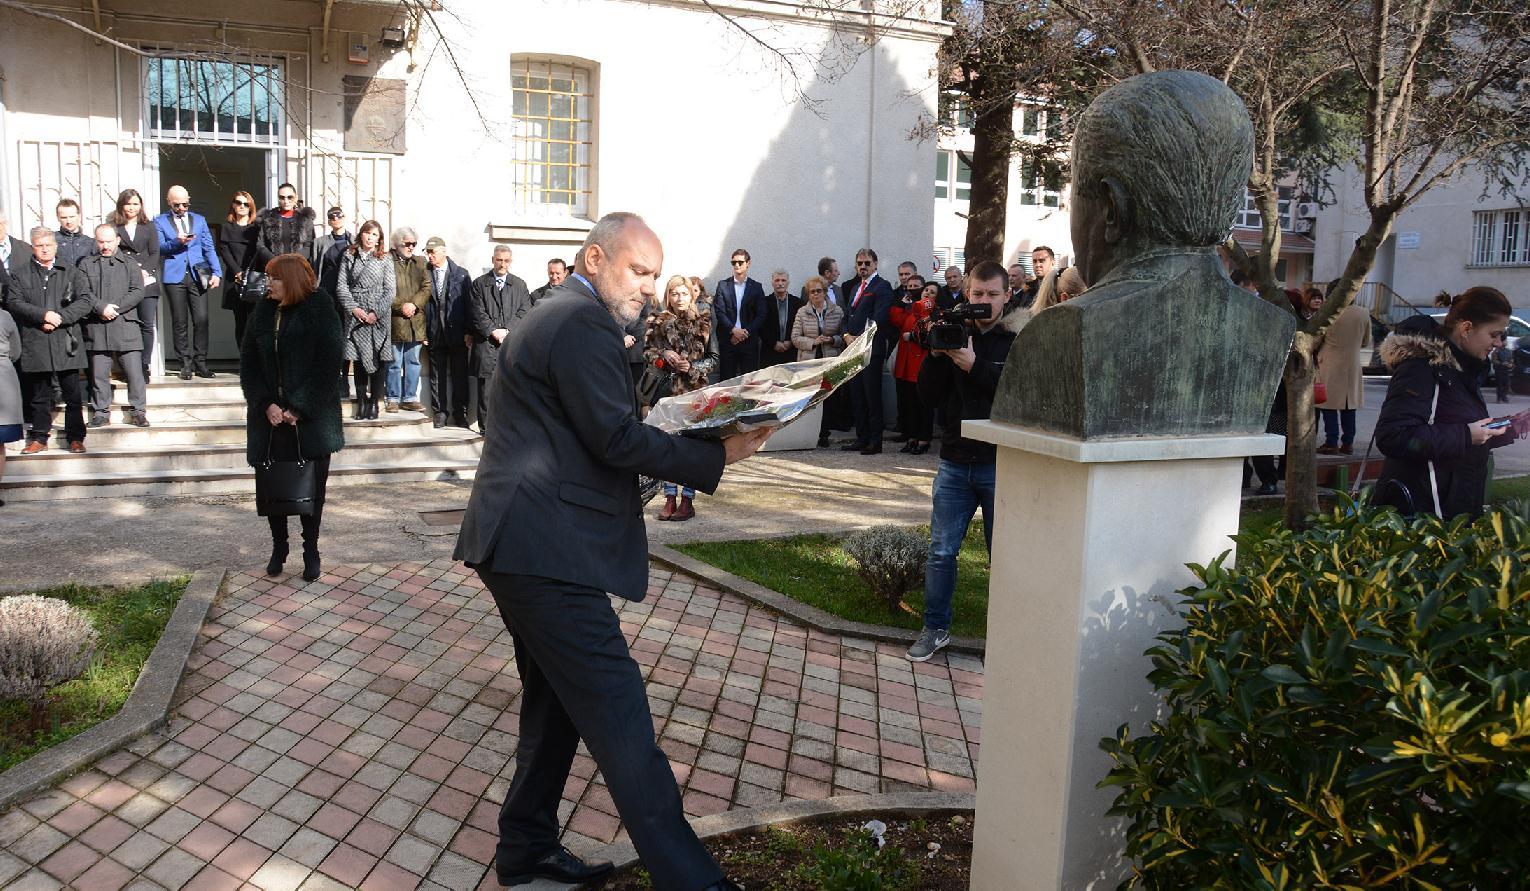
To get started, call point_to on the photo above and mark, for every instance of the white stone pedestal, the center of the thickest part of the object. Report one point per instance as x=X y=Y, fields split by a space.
x=1089 y=547
x=800 y=434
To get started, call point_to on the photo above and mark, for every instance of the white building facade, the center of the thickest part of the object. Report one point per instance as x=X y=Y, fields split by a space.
x=522 y=126
x=1036 y=213
x=1459 y=234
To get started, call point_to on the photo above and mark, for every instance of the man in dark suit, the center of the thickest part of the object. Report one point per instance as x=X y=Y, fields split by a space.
x=185 y=243
x=557 y=271
x=870 y=300
x=496 y=301
x=446 y=335
x=738 y=310
x=555 y=522
x=780 y=312
x=14 y=253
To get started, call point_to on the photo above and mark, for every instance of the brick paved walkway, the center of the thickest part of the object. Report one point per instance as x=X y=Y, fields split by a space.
x=359 y=732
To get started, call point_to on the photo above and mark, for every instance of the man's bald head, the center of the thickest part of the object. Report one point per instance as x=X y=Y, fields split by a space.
x=622 y=257
x=178 y=195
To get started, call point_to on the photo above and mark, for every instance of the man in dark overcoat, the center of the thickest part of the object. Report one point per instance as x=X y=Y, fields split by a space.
x=446 y=337
x=553 y=524
x=112 y=333
x=48 y=301
x=496 y=302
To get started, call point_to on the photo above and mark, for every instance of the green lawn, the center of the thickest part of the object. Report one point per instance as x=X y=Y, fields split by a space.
x=130 y=621
x=814 y=569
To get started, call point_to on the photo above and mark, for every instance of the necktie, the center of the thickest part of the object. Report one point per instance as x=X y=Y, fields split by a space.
x=183 y=225
x=859 y=291
x=499 y=284
x=438 y=280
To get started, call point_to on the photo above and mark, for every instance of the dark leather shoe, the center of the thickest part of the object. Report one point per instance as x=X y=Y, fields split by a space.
x=439 y=422
x=138 y=419
x=99 y=420
x=919 y=449
x=77 y=446
x=873 y=449
x=203 y=370
x=853 y=447
x=823 y=442
x=561 y=865
x=278 y=557
x=185 y=372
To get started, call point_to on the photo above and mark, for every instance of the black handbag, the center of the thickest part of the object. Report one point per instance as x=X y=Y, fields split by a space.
x=254 y=287
x=286 y=488
x=653 y=385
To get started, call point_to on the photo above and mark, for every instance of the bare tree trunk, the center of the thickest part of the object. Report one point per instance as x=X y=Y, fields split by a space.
x=993 y=138
x=1301 y=371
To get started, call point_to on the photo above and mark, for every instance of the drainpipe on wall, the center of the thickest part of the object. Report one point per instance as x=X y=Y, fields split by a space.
x=5 y=160
x=871 y=138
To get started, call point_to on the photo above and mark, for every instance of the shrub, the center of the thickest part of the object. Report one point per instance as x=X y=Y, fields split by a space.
x=890 y=559
x=43 y=642
x=1349 y=708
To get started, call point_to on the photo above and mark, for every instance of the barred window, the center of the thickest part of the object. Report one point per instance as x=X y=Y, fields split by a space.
x=552 y=127
x=218 y=101
x=1285 y=200
x=1501 y=237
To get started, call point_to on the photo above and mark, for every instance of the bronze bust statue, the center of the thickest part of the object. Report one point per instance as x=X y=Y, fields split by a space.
x=1162 y=343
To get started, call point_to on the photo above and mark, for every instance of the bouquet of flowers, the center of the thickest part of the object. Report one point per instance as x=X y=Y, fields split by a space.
x=769 y=397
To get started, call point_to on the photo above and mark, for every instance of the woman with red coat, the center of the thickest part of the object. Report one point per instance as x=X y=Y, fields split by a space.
x=909 y=314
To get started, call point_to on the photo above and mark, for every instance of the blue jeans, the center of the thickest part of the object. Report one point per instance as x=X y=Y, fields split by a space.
x=1332 y=419
x=959 y=491
x=672 y=490
x=407 y=364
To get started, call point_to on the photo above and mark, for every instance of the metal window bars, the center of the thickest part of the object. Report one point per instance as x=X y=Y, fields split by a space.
x=552 y=128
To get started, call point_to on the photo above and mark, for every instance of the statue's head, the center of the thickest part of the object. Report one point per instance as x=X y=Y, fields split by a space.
x=1159 y=160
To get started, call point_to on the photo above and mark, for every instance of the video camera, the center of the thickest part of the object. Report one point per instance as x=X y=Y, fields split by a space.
x=948 y=328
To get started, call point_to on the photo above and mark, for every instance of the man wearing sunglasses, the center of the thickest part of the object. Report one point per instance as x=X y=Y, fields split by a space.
x=738 y=310
x=185 y=243
x=285 y=228
x=871 y=300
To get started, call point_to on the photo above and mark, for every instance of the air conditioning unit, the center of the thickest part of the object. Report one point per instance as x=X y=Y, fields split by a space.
x=1307 y=210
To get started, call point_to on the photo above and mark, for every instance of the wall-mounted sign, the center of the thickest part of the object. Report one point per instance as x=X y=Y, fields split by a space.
x=359 y=53
x=1407 y=241
x=374 y=114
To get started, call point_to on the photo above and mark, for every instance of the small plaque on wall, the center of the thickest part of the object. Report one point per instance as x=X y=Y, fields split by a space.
x=374 y=114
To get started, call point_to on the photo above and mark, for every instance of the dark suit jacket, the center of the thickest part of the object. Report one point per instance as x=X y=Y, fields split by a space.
x=770 y=332
x=874 y=306
x=490 y=308
x=446 y=314
x=21 y=254
x=556 y=491
x=143 y=247
x=723 y=310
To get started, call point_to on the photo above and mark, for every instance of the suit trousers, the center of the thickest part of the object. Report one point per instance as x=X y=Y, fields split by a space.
x=736 y=360
x=37 y=386
x=148 y=318
x=101 y=379
x=578 y=681
x=866 y=397
x=449 y=378
x=188 y=316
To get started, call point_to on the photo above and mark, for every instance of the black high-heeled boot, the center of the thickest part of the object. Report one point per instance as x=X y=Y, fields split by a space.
x=360 y=414
x=278 y=545
x=311 y=567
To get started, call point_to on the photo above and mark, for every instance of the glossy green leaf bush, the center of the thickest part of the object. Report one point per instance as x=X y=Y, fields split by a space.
x=1350 y=708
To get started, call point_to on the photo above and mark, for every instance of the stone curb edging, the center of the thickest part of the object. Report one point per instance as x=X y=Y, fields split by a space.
x=622 y=854
x=808 y=615
x=145 y=709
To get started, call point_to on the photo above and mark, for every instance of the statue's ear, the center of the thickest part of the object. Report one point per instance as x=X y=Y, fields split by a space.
x=1118 y=210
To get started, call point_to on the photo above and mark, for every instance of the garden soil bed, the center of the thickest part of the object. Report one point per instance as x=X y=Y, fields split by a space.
x=928 y=853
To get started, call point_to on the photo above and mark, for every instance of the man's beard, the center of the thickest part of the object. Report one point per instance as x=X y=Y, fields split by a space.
x=624 y=312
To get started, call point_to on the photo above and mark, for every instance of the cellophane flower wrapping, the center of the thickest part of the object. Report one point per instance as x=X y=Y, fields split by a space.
x=770 y=397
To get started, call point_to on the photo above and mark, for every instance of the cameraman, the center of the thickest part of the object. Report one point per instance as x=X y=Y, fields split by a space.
x=963 y=383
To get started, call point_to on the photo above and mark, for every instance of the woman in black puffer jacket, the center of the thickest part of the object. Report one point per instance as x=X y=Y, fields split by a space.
x=1433 y=426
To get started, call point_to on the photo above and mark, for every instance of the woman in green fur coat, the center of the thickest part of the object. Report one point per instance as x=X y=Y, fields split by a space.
x=289 y=368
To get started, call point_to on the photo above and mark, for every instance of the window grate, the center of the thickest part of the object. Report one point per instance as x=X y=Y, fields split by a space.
x=1501 y=237
x=552 y=146
x=220 y=101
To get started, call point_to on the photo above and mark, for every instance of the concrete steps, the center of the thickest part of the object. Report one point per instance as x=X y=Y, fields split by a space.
x=196 y=446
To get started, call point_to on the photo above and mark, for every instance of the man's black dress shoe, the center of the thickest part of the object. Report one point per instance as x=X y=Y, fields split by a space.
x=561 y=865
x=852 y=447
x=873 y=449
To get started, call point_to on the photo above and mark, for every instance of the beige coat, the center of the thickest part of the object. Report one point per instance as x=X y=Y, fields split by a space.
x=805 y=330
x=1339 y=358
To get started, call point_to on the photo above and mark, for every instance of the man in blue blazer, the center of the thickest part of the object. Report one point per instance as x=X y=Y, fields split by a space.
x=554 y=523
x=446 y=335
x=738 y=311
x=871 y=299
x=185 y=243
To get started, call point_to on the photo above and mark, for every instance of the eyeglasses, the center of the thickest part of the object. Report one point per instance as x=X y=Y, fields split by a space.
x=816 y=290
x=286 y=197
x=860 y=263
x=410 y=244
x=180 y=204
x=337 y=216
x=740 y=262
